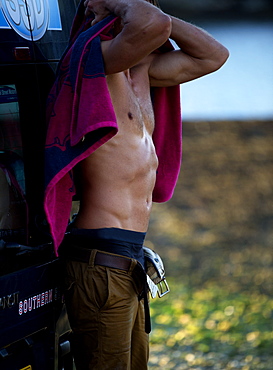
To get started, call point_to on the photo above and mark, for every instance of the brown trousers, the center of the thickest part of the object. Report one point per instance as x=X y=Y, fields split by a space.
x=106 y=316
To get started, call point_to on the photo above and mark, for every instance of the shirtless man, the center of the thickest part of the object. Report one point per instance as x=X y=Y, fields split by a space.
x=117 y=180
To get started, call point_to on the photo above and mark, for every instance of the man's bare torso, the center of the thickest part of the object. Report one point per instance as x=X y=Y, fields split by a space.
x=117 y=180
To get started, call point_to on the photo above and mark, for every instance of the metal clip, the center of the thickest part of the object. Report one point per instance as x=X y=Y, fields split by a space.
x=163 y=288
x=160 y=289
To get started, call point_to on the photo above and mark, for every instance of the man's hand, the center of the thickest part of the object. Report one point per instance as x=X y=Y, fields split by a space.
x=98 y=8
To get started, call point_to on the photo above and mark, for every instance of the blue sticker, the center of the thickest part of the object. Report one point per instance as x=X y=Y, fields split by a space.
x=30 y=18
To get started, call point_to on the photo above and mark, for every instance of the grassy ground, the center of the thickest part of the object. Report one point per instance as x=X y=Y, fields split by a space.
x=216 y=236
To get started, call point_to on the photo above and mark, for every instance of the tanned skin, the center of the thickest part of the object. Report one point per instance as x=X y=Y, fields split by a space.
x=117 y=180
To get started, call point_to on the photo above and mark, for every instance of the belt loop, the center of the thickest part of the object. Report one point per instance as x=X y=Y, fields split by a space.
x=91 y=261
x=132 y=266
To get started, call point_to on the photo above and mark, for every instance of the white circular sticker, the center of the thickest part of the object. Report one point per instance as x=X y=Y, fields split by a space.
x=29 y=18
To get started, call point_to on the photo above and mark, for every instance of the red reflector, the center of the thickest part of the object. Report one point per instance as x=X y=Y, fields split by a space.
x=22 y=53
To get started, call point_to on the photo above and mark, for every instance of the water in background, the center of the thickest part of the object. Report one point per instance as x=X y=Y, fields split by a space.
x=243 y=88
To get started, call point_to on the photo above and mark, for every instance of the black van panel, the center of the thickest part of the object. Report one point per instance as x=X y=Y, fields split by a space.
x=33 y=36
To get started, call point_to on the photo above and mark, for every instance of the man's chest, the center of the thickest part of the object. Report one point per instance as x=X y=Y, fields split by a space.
x=130 y=93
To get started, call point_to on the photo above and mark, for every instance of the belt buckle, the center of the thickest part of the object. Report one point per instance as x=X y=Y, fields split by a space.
x=163 y=288
x=160 y=289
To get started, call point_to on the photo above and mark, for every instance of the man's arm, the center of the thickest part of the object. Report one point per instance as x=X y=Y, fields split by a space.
x=144 y=28
x=199 y=55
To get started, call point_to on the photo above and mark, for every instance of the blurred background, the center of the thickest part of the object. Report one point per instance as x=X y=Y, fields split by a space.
x=216 y=233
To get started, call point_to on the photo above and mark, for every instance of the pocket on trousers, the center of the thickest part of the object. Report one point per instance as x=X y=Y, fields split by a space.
x=118 y=317
x=97 y=287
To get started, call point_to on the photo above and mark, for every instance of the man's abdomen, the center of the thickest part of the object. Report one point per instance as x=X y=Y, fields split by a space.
x=117 y=186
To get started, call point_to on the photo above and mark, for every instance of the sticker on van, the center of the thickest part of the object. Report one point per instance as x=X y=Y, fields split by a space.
x=30 y=18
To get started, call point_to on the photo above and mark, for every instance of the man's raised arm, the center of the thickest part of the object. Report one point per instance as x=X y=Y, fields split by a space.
x=143 y=29
x=199 y=55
